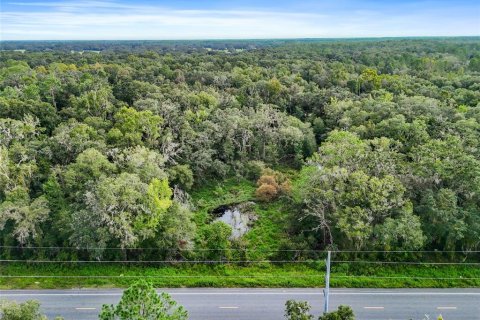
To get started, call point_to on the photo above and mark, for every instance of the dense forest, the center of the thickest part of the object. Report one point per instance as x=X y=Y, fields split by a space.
x=360 y=145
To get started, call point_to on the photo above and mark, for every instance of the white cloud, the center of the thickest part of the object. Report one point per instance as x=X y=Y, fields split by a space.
x=113 y=20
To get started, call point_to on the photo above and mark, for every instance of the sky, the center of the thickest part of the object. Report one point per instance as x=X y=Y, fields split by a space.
x=203 y=19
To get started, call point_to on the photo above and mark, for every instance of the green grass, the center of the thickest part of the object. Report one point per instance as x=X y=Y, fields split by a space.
x=408 y=276
x=214 y=194
x=269 y=229
x=264 y=275
x=261 y=275
x=230 y=191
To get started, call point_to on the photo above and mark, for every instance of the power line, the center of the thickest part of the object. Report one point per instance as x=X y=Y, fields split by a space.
x=240 y=276
x=164 y=249
x=164 y=276
x=241 y=250
x=162 y=261
x=233 y=261
x=406 y=277
x=406 y=251
x=406 y=262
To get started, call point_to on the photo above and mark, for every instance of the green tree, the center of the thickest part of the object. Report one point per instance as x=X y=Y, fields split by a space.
x=134 y=127
x=181 y=175
x=122 y=209
x=96 y=103
x=28 y=310
x=146 y=163
x=176 y=229
x=343 y=313
x=71 y=138
x=141 y=302
x=26 y=215
x=88 y=167
x=403 y=233
x=347 y=205
x=214 y=237
x=297 y=310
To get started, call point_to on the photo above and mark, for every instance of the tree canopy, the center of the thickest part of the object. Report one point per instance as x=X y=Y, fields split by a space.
x=378 y=141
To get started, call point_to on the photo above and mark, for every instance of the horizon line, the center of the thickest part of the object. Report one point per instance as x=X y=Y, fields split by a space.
x=250 y=39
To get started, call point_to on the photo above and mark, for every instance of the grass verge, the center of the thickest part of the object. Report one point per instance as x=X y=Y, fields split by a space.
x=261 y=275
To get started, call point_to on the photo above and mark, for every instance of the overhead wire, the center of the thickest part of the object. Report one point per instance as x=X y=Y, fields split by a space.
x=239 y=249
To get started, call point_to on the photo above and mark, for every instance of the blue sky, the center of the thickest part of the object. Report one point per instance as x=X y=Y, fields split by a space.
x=201 y=19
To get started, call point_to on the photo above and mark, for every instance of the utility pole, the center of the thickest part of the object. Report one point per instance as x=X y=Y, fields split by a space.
x=327 y=283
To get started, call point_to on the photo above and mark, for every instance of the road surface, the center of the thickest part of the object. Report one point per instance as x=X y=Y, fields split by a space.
x=266 y=304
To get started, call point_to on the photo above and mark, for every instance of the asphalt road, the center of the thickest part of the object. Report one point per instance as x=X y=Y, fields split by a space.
x=266 y=304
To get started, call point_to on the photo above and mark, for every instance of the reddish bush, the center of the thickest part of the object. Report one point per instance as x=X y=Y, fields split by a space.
x=266 y=192
x=271 y=184
x=267 y=180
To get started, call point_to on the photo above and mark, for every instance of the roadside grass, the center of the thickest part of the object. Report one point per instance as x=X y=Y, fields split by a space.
x=63 y=276
x=309 y=274
x=405 y=276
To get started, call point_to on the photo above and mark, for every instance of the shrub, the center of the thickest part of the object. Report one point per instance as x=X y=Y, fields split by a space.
x=300 y=310
x=140 y=302
x=266 y=192
x=272 y=184
x=28 y=310
x=297 y=310
x=343 y=313
x=253 y=169
x=285 y=187
x=270 y=180
x=214 y=238
x=181 y=175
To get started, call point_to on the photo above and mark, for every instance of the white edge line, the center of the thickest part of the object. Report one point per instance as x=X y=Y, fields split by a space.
x=5 y=294
x=228 y=307
x=383 y=293
x=85 y=308
x=446 y=308
x=373 y=307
